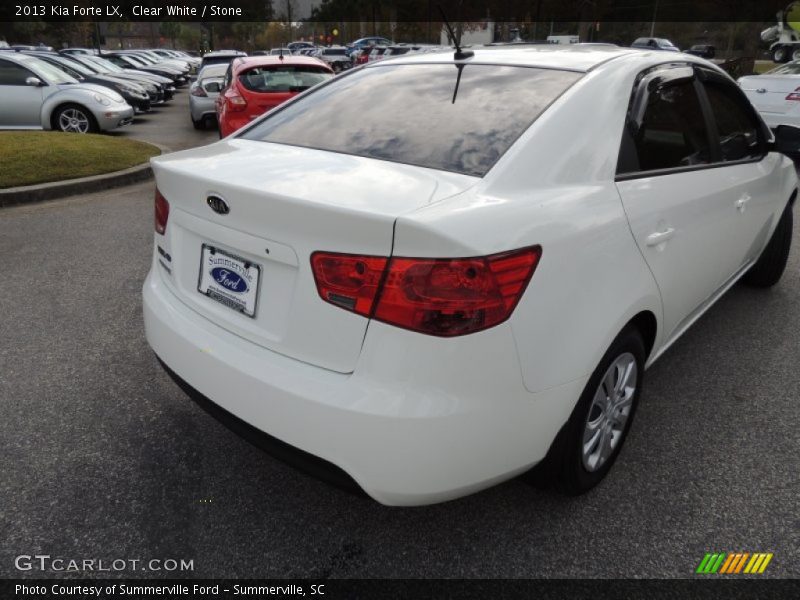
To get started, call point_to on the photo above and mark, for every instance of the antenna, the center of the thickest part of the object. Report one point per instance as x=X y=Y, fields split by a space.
x=460 y=54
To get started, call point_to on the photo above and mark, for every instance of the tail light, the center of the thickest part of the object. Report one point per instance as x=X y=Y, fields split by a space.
x=199 y=91
x=348 y=281
x=162 y=213
x=795 y=95
x=235 y=102
x=442 y=297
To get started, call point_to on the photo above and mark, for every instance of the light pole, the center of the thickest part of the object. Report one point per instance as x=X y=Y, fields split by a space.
x=653 y=22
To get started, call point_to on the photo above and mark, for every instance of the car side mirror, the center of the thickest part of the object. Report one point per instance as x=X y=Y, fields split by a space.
x=34 y=81
x=787 y=140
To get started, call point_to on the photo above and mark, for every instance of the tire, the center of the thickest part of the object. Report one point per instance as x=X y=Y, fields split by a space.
x=780 y=54
x=577 y=467
x=769 y=267
x=201 y=124
x=74 y=118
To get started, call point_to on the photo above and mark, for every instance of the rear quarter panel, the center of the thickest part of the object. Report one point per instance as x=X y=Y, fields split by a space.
x=555 y=187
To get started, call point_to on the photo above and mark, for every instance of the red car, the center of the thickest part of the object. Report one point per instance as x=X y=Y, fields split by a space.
x=361 y=57
x=257 y=84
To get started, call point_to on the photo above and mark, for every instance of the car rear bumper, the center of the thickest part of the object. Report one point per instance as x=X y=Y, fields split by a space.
x=420 y=420
x=231 y=122
x=202 y=108
x=774 y=119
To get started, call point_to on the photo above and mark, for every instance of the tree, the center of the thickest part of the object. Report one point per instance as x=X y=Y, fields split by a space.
x=120 y=29
x=170 y=30
x=246 y=32
x=189 y=38
x=29 y=31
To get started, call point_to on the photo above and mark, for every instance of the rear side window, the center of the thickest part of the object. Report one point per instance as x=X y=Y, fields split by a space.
x=737 y=126
x=672 y=133
x=419 y=114
x=283 y=78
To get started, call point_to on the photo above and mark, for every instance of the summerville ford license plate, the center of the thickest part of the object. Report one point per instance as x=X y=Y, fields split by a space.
x=229 y=279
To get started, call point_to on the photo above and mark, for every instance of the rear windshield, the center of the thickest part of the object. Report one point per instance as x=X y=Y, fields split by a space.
x=218 y=60
x=283 y=78
x=412 y=114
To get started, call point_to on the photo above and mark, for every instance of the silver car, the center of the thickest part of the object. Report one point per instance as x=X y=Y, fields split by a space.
x=203 y=94
x=36 y=95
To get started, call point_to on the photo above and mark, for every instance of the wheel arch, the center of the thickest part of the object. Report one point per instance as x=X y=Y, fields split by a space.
x=68 y=102
x=647 y=325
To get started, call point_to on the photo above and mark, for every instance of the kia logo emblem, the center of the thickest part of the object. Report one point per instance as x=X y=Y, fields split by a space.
x=218 y=205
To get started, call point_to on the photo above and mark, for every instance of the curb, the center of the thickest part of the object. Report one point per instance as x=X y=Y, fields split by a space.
x=59 y=189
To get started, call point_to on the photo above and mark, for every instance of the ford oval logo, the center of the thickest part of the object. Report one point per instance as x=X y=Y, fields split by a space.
x=229 y=280
x=218 y=205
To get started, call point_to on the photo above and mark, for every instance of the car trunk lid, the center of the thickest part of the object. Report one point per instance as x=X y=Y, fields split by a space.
x=285 y=203
x=768 y=92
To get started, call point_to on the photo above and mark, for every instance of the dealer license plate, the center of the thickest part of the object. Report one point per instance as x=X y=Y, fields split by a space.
x=229 y=279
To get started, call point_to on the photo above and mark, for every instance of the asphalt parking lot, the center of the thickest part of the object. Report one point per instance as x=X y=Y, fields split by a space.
x=103 y=456
x=168 y=125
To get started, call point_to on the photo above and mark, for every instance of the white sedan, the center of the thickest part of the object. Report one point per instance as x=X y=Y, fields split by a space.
x=433 y=298
x=776 y=94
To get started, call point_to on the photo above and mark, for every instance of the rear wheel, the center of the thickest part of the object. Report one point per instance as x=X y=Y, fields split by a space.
x=74 y=118
x=770 y=265
x=587 y=447
x=201 y=124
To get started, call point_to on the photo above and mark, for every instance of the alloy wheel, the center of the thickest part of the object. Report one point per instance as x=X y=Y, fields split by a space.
x=73 y=120
x=609 y=412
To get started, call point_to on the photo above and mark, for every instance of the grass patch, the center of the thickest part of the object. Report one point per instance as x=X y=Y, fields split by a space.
x=762 y=66
x=31 y=157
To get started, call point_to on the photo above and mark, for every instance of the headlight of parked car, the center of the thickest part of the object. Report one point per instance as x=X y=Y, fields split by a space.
x=104 y=100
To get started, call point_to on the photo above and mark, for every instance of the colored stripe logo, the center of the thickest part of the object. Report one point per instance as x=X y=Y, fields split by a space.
x=734 y=563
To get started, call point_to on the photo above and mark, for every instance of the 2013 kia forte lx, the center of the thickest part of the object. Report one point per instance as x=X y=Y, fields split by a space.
x=435 y=272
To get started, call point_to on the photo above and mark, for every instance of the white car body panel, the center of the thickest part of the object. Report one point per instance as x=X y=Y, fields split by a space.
x=414 y=418
x=768 y=94
x=349 y=218
x=700 y=208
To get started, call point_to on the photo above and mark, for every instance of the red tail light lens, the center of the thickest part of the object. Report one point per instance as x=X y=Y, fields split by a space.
x=199 y=91
x=442 y=297
x=162 y=213
x=347 y=280
x=795 y=95
x=236 y=103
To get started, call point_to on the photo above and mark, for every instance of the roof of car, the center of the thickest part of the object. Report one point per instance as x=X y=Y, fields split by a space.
x=20 y=58
x=288 y=59
x=225 y=53
x=573 y=57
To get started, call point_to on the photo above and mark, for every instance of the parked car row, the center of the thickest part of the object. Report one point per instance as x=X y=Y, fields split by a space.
x=373 y=53
x=78 y=90
x=341 y=58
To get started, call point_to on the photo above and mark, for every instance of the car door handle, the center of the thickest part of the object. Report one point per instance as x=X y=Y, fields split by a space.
x=761 y=91
x=742 y=202
x=659 y=237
